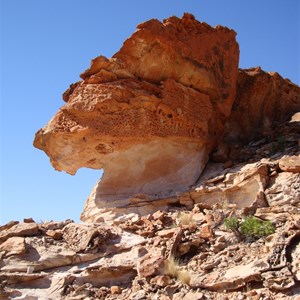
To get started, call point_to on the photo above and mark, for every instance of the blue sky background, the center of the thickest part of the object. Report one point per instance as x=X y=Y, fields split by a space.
x=45 y=45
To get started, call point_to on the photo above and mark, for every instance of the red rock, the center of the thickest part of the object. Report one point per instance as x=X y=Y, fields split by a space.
x=79 y=237
x=8 y=225
x=13 y=246
x=263 y=100
x=158 y=215
x=52 y=225
x=115 y=290
x=150 y=115
x=161 y=280
x=193 y=296
x=151 y=264
x=55 y=234
x=186 y=51
x=184 y=248
x=28 y=220
x=167 y=232
x=205 y=232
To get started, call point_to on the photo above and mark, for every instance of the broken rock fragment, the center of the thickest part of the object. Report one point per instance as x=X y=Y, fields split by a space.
x=290 y=163
x=13 y=246
x=80 y=237
x=19 y=229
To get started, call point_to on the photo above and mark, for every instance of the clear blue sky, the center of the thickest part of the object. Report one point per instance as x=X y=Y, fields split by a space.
x=46 y=44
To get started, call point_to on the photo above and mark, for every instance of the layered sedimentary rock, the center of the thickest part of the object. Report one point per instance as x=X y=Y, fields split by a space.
x=150 y=115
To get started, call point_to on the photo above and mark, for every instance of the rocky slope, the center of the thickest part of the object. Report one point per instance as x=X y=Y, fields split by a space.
x=188 y=143
x=185 y=252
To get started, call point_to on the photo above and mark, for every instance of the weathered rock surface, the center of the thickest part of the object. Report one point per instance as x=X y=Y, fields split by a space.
x=263 y=101
x=80 y=237
x=290 y=164
x=150 y=115
x=246 y=185
x=13 y=246
x=19 y=229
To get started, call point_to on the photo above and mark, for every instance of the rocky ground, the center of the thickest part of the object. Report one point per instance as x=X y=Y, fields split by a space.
x=184 y=252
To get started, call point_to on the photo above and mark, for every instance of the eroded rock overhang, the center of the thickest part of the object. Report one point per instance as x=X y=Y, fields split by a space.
x=150 y=115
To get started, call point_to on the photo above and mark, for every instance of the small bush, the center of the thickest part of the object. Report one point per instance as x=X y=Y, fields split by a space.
x=231 y=223
x=250 y=227
x=253 y=228
x=173 y=269
x=184 y=276
x=185 y=218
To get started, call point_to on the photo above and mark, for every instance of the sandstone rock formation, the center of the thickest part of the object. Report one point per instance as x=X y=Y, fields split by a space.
x=263 y=101
x=150 y=115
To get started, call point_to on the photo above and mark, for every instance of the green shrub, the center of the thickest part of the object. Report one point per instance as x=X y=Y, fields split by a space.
x=231 y=223
x=252 y=227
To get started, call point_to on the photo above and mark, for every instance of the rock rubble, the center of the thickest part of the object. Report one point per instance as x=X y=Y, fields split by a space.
x=129 y=257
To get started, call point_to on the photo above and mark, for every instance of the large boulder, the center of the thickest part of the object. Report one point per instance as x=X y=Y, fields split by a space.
x=150 y=115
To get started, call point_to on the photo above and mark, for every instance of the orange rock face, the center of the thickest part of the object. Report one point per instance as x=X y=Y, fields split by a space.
x=263 y=100
x=150 y=115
